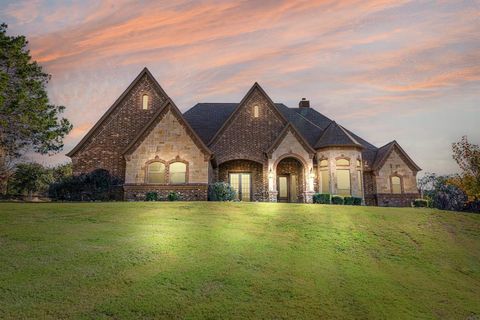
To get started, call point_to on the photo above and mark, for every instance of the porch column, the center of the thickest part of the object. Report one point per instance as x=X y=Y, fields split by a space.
x=309 y=176
x=271 y=176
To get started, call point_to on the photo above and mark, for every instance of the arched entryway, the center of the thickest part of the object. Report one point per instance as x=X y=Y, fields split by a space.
x=246 y=177
x=290 y=180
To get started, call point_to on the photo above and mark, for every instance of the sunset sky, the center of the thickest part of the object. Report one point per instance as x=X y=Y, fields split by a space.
x=404 y=70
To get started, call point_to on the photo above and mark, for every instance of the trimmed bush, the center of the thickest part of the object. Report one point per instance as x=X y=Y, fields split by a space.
x=322 y=198
x=357 y=201
x=420 y=203
x=173 y=196
x=151 y=196
x=221 y=191
x=348 y=201
x=337 y=200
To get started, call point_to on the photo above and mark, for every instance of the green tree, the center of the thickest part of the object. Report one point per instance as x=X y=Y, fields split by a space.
x=467 y=155
x=30 y=178
x=28 y=122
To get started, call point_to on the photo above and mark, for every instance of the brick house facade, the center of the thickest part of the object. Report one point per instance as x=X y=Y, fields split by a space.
x=265 y=150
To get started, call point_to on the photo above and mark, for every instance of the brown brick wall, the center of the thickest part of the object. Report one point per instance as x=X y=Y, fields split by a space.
x=259 y=179
x=105 y=146
x=190 y=192
x=248 y=137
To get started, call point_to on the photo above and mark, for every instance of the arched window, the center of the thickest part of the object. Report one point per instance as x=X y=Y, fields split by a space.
x=396 y=184
x=343 y=162
x=255 y=111
x=359 y=163
x=324 y=176
x=178 y=172
x=145 y=102
x=156 y=172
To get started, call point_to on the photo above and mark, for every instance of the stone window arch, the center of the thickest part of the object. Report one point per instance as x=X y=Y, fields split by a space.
x=155 y=171
x=344 y=162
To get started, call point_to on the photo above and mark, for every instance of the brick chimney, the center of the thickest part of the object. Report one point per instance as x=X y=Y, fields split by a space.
x=304 y=103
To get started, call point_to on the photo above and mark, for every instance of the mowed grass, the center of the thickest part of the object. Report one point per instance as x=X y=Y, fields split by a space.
x=236 y=261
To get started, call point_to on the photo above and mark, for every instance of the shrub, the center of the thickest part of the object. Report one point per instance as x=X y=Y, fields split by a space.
x=357 y=201
x=348 y=201
x=221 y=191
x=337 y=200
x=151 y=196
x=96 y=185
x=473 y=206
x=322 y=198
x=443 y=194
x=420 y=203
x=173 y=196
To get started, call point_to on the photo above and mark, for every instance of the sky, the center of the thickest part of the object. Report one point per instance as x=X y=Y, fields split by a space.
x=385 y=69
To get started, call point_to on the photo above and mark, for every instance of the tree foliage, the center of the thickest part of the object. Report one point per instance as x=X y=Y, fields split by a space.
x=467 y=155
x=28 y=122
x=30 y=178
x=442 y=193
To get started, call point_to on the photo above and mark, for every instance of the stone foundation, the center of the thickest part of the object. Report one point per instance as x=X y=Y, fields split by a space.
x=395 y=200
x=188 y=192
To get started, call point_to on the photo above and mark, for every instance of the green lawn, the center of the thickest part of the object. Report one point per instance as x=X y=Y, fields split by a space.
x=230 y=260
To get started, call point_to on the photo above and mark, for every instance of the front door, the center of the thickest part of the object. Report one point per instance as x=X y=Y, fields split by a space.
x=283 y=188
x=241 y=183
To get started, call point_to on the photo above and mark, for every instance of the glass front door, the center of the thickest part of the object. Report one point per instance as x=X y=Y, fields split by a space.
x=282 y=186
x=241 y=183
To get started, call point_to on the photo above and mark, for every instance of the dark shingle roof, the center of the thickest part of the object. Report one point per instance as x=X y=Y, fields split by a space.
x=335 y=135
x=318 y=130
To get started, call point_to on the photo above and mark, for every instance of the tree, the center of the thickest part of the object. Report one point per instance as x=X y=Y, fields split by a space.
x=28 y=122
x=442 y=193
x=30 y=178
x=467 y=155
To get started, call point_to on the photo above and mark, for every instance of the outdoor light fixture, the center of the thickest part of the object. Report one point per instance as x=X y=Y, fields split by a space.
x=311 y=173
x=270 y=174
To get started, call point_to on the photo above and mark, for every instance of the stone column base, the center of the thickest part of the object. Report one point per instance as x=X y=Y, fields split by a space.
x=272 y=196
x=308 y=196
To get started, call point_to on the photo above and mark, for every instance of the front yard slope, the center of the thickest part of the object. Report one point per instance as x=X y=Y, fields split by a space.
x=236 y=261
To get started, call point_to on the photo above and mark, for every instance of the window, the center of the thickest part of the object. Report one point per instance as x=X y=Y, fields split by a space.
x=343 y=182
x=343 y=162
x=145 y=102
x=396 y=185
x=324 y=176
x=156 y=172
x=255 y=111
x=359 y=179
x=178 y=172
x=359 y=164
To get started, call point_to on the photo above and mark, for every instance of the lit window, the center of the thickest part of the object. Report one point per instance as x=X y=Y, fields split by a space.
x=255 y=111
x=343 y=162
x=145 y=102
x=324 y=163
x=396 y=185
x=359 y=164
x=325 y=181
x=359 y=178
x=178 y=172
x=343 y=182
x=156 y=172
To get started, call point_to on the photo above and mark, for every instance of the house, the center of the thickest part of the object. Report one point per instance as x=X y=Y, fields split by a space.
x=265 y=150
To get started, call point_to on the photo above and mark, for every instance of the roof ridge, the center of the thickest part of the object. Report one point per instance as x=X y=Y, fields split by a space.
x=348 y=135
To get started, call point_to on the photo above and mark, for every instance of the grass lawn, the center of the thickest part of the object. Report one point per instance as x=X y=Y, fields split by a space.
x=236 y=261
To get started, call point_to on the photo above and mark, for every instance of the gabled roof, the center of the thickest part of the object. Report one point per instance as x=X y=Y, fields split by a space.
x=290 y=128
x=157 y=117
x=336 y=136
x=110 y=110
x=255 y=87
x=384 y=152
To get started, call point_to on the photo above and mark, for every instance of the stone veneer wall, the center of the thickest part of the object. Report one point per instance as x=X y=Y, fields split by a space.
x=168 y=141
x=259 y=182
x=396 y=165
x=187 y=192
x=104 y=148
